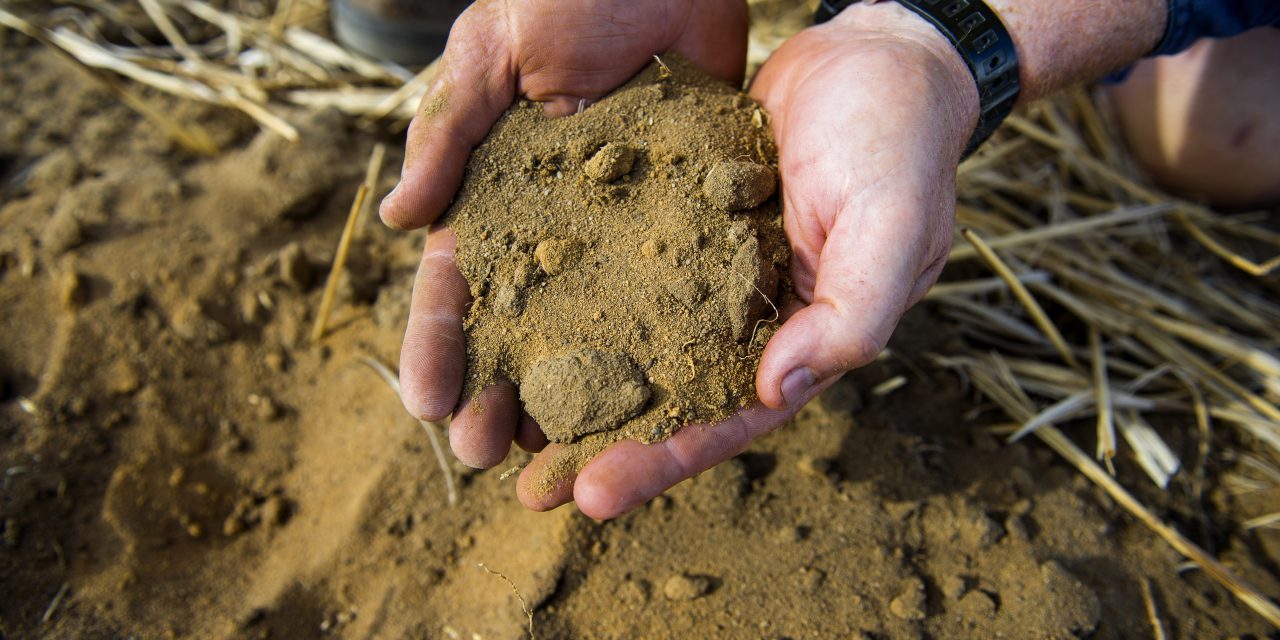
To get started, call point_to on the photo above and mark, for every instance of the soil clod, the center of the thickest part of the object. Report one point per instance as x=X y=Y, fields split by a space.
x=583 y=392
x=621 y=304
x=611 y=162
x=737 y=186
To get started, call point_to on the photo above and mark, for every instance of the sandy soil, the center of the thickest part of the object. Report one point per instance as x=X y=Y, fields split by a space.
x=181 y=462
x=624 y=262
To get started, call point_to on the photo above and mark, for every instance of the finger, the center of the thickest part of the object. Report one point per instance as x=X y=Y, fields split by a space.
x=629 y=474
x=474 y=85
x=537 y=488
x=483 y=427
x=867 y=272
x=529 y=434
x=433 y=357
x=716 y=39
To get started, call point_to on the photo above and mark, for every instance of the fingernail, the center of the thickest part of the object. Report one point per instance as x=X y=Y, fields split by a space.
x=796 y=385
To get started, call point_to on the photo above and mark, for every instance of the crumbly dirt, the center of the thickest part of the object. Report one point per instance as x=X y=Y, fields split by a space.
x=624 y=260
x=180 y=462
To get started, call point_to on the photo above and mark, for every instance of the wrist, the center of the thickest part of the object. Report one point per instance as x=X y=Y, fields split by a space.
x=920 y=47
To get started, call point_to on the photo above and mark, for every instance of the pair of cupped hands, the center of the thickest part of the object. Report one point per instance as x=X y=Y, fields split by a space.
x=870 y=112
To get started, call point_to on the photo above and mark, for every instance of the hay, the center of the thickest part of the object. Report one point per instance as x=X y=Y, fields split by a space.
x=262 y=67
x=1159 y=323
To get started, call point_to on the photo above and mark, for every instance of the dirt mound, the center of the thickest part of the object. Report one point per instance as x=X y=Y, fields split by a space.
x=625 y=260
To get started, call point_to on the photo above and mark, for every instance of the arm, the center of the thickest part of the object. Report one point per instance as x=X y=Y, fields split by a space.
x=1065 y=42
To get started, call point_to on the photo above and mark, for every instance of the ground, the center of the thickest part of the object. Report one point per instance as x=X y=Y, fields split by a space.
x=182 y=461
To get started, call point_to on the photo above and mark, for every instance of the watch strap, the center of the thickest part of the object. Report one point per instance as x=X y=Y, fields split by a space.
x=983 y=43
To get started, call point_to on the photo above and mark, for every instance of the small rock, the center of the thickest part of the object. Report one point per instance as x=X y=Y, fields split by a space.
x=275 y=511
x=122 y=378
x=611 y=162
x=981 y=531
x=977 y=605
x=748 y=290
x=814 y=467
x=686 y=587
x=12 y=533
x=72 y=292
x=737 y=186
x=508 y=301
x=811 y=579
x=555 y=256
x=191 y=323
x=63 y=232
x=582 y=392
x=251 y=309
x=632 y=592
x=264 y=407
x=275 y=360
x=232 y=525
x=295 y=269
x=651 y=248
x=953 y=587
x=789 y=533
x=910 y=604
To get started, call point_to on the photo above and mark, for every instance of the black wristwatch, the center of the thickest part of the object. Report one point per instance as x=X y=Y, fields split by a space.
x=984 y=44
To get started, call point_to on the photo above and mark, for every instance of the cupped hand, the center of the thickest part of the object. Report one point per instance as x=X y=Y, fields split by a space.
x=564 y=54
x=870 y=112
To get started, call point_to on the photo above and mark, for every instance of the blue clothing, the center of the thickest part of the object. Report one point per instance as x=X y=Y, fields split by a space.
x=1191 y=20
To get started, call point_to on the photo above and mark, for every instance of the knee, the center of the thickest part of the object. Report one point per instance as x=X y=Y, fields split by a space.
x=1203 y=123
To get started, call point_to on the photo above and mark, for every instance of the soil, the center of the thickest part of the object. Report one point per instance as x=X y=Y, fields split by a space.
x=179 y=461
x=624 y=261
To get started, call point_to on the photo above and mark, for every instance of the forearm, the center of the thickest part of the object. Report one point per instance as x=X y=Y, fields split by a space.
x=1065 y=42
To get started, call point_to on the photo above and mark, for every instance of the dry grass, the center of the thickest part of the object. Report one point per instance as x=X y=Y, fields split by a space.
x=260 y=66
x=1115 y=300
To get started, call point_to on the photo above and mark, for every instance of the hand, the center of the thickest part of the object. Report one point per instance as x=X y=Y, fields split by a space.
x=558 y=52
x=871 y=112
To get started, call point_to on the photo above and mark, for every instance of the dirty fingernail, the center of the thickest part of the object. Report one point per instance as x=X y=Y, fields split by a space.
x=796 y=385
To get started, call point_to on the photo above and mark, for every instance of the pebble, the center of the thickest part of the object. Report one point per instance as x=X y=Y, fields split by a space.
x=811 y=579
x=275 y=511
x=295 y=269
x=910 y=604
x=556 y=256
x=72 y=292
x=737 y=186
x=611 y=162
x=686 y=587
x=63 y=232
x=275 y=360
x=264 y=407
x=953 y=587
x=122 y=378
x=651 y=248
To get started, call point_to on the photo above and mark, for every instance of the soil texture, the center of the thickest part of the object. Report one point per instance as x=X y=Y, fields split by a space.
x=624 y=261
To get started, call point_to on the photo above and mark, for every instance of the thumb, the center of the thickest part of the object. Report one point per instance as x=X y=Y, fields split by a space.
x=872 y=267
x=474 y=85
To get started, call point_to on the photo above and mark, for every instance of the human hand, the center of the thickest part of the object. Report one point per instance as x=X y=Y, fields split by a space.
x=558 y=52
x=870 y=112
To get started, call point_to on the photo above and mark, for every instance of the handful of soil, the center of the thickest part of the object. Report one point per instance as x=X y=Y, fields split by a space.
x=624 y=261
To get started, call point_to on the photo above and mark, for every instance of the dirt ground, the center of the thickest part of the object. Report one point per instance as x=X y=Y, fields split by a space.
x=180 y=461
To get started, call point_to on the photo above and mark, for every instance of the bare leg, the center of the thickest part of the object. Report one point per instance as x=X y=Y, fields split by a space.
x=1206 y=123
